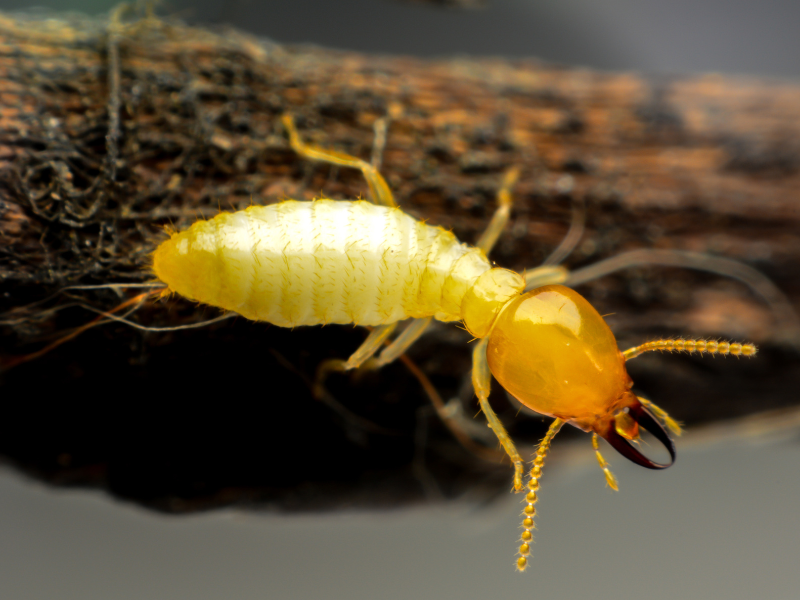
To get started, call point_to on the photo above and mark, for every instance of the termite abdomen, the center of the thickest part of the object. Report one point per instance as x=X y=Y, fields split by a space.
x=326 y=261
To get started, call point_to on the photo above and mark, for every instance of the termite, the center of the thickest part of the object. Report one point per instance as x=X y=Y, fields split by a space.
x=369 y=263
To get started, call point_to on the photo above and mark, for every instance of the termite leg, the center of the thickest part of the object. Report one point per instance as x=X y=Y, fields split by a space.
x=363 y=357
x=759 y=283
x=500 y=218
x=379 y=189
x=540 y=276
x=394 y=351
x=402 y=343
x=481 y=376
x=381 y=128
x=574 y=235
x=453 y=424
x=610 y=479
x=482 y=382
x=365 y=351
x=550 y=272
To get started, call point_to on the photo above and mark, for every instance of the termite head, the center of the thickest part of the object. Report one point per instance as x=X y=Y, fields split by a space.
x=551 y=350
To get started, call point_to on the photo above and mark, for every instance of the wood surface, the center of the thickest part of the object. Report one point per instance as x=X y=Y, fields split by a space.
x=112 y=131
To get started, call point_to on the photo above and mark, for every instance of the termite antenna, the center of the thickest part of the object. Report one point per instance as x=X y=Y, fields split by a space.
x=148 y=328
x=701 y=346
x=531 y=498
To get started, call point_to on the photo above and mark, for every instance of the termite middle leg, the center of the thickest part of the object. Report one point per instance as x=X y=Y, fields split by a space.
x=550 y=271
x=379 y=189
x=363 y=357
x=402 y=343
x=365 y=351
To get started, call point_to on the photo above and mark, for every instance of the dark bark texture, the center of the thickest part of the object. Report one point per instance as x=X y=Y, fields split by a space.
x=109 y=133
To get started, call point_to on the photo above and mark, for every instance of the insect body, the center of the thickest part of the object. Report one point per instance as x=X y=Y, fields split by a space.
x=334 y=261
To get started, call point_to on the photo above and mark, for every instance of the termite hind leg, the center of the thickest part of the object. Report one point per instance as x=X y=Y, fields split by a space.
x=610 y=479
x=531 y=497
x=381 y=128
x=379 y=189
x=396 y=350
x=482 y=382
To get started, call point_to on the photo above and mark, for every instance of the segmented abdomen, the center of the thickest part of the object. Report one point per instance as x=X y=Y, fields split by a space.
x=326 y=261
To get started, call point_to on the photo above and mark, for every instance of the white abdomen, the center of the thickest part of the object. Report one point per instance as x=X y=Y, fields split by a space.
x=326 y=261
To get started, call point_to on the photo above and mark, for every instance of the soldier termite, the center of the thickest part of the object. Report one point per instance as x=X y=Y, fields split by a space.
x=369 y=263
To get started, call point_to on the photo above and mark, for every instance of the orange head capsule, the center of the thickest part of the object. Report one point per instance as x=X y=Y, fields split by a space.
x=553 y=352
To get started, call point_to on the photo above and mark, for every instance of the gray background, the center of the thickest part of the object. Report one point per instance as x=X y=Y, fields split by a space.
x=723 y=523
x=732 y=36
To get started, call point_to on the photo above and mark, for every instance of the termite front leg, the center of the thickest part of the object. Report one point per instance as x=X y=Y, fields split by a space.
x=379 y=190
x=482 y=382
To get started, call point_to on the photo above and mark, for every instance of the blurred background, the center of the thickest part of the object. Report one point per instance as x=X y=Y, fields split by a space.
x=680 y=36
x=722 y=523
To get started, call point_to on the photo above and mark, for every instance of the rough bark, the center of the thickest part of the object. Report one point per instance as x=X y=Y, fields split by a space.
x=109 y=133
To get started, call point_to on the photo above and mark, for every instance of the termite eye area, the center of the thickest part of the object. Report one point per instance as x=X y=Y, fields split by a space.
x=626 y=426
